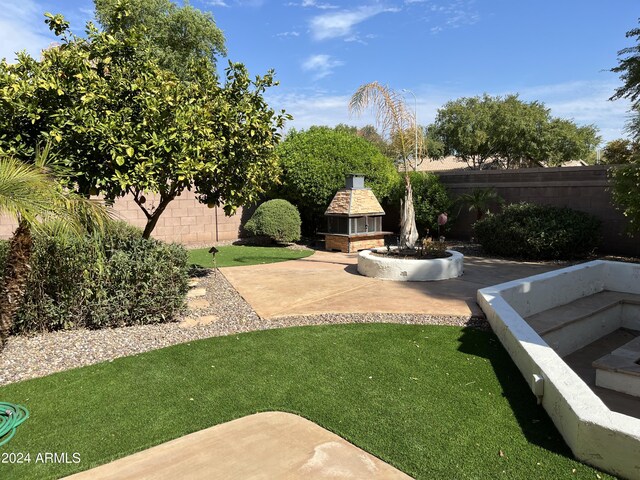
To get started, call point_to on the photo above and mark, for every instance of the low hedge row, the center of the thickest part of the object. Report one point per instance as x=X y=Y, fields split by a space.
x=538 y=232
x=115 y=280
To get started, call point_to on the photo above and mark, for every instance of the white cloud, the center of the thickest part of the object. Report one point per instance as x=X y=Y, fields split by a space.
x=288 y=34
x=217 y=3
x=315 y=4
x=314 y=108
x=340 y=24
x=446 y=14
x=22 y=27
x=312 y=4
x=320 y=65
x=245 y=3
x=584 y=102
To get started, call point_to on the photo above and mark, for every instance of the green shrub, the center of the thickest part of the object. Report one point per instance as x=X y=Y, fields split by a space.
x=277 y=220
x=430 y=199
x=538 y=232
x=95 y=282
x=315 y=163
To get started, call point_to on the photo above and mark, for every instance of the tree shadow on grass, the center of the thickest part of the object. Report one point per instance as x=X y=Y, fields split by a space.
x=254 y=260
x=533 y=420
x=198 y=271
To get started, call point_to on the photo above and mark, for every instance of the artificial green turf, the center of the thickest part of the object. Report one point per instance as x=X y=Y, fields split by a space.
x=436 y=402
x=235 y=255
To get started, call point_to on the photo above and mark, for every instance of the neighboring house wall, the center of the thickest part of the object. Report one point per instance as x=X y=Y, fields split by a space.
x=579 y=188
x=184 y=221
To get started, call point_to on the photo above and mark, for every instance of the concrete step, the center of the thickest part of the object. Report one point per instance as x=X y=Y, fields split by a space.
x=196 y=292
x=559 y=317
x=198 y=303
x=620 y=370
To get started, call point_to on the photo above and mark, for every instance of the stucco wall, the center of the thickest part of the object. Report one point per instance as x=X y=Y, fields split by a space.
x=185 y=221
x=580 y=188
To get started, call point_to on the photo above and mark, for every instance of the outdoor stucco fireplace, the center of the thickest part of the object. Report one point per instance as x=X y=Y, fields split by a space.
x=354 y=218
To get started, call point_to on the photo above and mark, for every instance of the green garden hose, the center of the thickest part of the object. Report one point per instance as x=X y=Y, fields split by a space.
x=11 y=416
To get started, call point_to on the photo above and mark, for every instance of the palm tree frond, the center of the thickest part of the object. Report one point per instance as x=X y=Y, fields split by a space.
x=393 y=118
x=25 y=190
x=31 y=192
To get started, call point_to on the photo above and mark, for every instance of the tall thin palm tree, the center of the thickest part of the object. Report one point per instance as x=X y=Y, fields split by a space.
x=32 y=195
x=398 y=124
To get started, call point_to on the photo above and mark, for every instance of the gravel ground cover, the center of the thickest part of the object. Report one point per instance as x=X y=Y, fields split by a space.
x=34 y=356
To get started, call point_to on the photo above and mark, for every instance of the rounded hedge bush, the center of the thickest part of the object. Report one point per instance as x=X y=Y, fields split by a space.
x=538 y=232
x=277 y=220
x=112 y=280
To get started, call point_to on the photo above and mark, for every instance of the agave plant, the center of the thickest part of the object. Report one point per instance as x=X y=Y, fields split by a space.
x=33 y=196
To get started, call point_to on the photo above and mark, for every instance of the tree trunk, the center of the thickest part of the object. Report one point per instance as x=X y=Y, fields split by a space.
x=408 y=229
x=15 y=278
x=153 y=219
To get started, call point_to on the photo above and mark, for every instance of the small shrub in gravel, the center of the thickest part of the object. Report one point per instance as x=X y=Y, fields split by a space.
x=96 y=282
x=276 y=220
x=538 y=232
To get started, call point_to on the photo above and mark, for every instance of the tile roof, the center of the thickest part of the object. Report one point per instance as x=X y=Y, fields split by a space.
x=354 y=203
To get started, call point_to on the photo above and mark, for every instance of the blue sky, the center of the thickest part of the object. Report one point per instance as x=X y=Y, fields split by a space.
x=557 y=52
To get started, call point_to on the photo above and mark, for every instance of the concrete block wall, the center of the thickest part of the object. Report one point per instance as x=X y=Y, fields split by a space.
x=580 y=188
x=185 y=221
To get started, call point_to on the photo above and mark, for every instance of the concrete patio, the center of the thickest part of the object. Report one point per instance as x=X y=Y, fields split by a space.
x=328 y=282
x=270 y=445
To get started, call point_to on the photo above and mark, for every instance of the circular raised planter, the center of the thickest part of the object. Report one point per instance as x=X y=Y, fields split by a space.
x=410 y=270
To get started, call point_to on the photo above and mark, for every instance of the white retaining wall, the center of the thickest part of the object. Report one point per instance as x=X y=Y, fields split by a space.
x=411 y=269
x=596 y=435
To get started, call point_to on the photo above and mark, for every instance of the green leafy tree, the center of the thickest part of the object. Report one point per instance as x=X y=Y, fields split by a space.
x=565 y=141
x=629 y=69
x=626 y=179
x=315 y=163
x=433 y=147
x=127 y=125
x=369 y=133
x=620 y=151
x=506 y=132
x=32 y=195
x=179 y=36
x=464 y=128
x=632 y=126
x=429 y=144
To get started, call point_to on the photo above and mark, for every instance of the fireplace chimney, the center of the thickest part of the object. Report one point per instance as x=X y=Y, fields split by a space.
x=355 y=181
